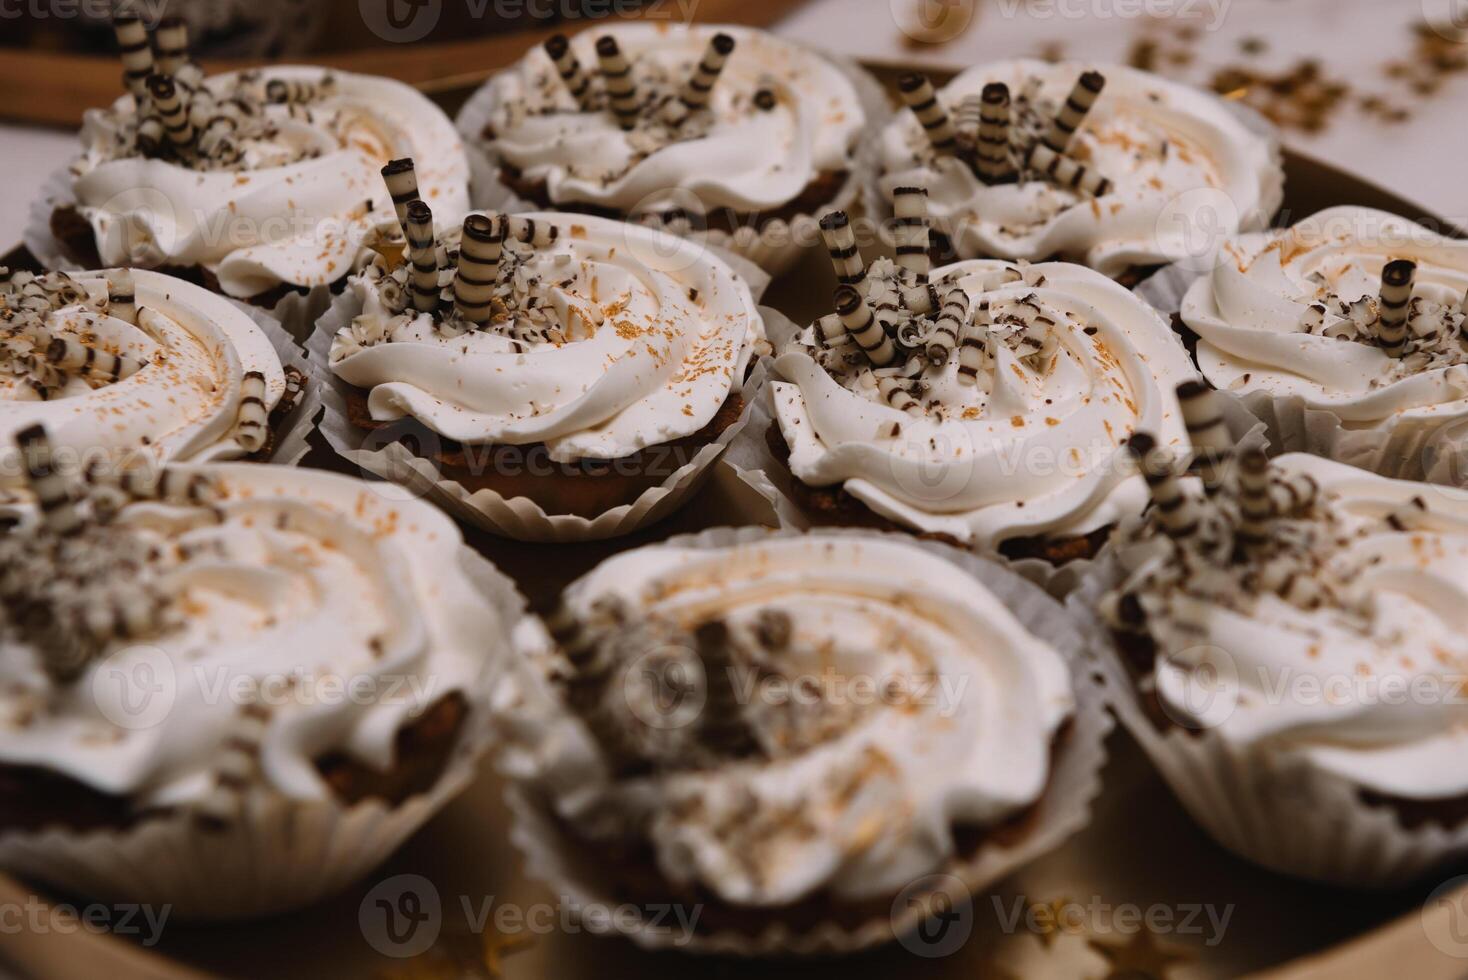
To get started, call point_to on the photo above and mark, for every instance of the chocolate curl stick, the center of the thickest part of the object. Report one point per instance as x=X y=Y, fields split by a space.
x=722 y=722
x=951 y=320
x=577 y=81
x=401 y=177
x=919 y=299
x=841 y=245
x=1067 y=172
x=921 y=98
x=423 y=254
x=968 y=121
x=173 y=45
x=696 y=91
x=910 y=205
x=898 y=397
x=1256 y=509
x=172 y=110
x=859 y=321
x=1212 y=445
x=1396 y=296
x=536 y=234
x=994 y=163
x=171 y=486
x=973 y=352
x=1072 y=115
x=122 y=299
x=831 y=331
x=74 y=357
x=58 y=514
x=292 y=91
x=479 y=262
x=616 y=73
x=137 y=55
x=249 y=428
x=1177 y=513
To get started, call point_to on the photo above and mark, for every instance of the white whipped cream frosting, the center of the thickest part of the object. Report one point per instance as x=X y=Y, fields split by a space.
x=664 y=332
x=310 y=575
x=181 y=406
x=1249 y=315
x=1183 y=166
x=749 y=159
x=1041 y=454
x=301 y=224
x=1300 y=681
x=863 y=812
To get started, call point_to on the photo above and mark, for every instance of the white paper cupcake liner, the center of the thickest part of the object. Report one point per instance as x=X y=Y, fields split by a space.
x=1403 y=447
x=1267 y=807
x=775 y=248
x=281 y=854
x=1063 y=810
x=753 y=462
x=296 y=312
x=520 y=518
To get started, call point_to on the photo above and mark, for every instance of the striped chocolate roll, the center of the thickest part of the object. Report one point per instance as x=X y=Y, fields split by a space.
x=921 y=98
x=479 y=262
x=74 y=357
x=968 y=120
x=59 y=514
x=423 y=254
x=830 y=331
x=295 y=91
x=137 y=54
x=910 y=205
x=172 y=40
x=401 y=177
x=151 y=136
x=949 y=326
x=721 y=723
x=122 y=300
x=1256 y=509
x=236 y=767
x=1067 y=172
x=1072 y=115
x=920 y=299
x=994 y=163
x=841 y=246
x=859 y=321
x=577 y=81
x=1213 y=448
x=973 y=353
x=1176 y=511
x=124 y=614
x=1396 y=298
x=172 y=110
x=895 y=394
x=616 y=73
x=250 y=425
x=528 y=231
x=695 y=93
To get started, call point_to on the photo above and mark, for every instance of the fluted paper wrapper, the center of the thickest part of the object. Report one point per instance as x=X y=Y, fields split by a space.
x=519 y=517
x=1062 y=811
x=1267 y=807
x=296 y=312
x=756 y=466
x=775 y=248
x=1402 y=447
x=280 y=854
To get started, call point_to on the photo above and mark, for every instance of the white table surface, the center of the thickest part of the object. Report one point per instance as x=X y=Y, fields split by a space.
x=1354 y=41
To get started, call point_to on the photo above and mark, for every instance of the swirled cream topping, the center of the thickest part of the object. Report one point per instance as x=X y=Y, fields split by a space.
x=778 y=118
x=1338 y=636
x=1297 y=312
x=285 y=196
x=228 y=634
x=787 y=716
x=146 y=370
x=610 y=339
x=1068 y=365
x=1181 y=167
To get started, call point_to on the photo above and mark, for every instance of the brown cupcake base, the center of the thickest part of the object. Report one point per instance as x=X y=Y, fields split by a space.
x=834 y=507
x=33 y=799
x=584 y=488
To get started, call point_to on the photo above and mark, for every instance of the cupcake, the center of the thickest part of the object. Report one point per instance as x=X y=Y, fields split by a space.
x=1345 y=334
x=726 y=132
x=984 y=402
x=1107 y=166
x=234 y=689
x=130 y=370
x=801 y=737
x=259 y=184
x=1289 y=652
x=544 y=375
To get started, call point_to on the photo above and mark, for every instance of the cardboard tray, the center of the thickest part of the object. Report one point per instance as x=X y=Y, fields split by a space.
x=1141 y=850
